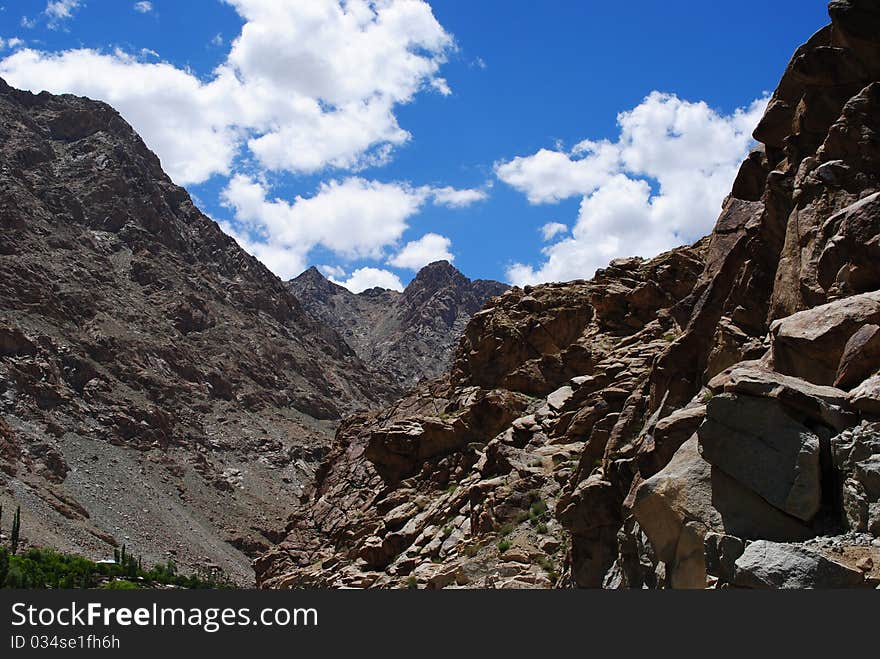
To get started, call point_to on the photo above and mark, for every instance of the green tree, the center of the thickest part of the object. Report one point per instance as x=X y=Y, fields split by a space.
x=4 y=565
x=16 y=529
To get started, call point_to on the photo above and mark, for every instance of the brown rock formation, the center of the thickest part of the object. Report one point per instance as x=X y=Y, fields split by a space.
x=704 y=418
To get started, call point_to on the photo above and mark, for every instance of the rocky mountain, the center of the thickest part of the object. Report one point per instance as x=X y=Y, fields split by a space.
x=159 y=387
x=708 y=418
x=409 y=336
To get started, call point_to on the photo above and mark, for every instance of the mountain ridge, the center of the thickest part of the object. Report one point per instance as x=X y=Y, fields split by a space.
x=408 y=334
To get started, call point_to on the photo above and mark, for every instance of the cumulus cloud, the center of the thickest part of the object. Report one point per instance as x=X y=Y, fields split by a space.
x=143 y=7
x=364 y=278
x=549 y=176
x=457 y=198
x=552 y=229
x=417 y=254
x=354 y=218
x=659 y=185
x=305 y=86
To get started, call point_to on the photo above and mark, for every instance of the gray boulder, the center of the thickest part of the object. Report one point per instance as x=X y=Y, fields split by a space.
x=755 y=442
x=766 y=564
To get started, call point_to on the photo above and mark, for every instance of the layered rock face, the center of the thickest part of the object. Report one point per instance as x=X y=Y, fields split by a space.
x=409 y=336
x=706 y=418
x=459 y=482
x=158 y=386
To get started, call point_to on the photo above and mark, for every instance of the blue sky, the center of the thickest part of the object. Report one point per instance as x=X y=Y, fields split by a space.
x=369 y=138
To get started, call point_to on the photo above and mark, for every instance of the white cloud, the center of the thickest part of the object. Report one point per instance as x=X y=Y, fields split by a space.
x=418 y=253
x=457 y=198
x=364 y=278
x=549 y=176
x=688 y=152
x=332 y=271
x=11 y=43
x=552 y=229
x=305 y=86
x=143 y=7
x=442 y=86
x=58 y=11
x=354 y=218
x=218 y=40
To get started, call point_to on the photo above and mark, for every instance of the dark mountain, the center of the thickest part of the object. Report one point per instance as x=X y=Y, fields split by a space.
x=410 y=335
x=158 y=385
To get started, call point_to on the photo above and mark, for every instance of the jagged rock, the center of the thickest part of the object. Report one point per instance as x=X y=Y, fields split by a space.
x=803 y=400
x=767 y=564
x=667 y=437
x=721 y=554
x=866 y=397
x=810 y=344
x=861 y=357
x=757 y=443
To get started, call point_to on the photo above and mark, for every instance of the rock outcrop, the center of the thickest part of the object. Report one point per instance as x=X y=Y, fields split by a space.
x=408 y=336
x=706 y=418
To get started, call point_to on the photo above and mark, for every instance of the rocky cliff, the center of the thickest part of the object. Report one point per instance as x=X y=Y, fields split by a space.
x=707 y=418
x=159 y=387
x=408 y=336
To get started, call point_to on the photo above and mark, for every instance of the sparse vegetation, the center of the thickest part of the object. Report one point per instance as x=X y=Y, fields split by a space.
x=549 y=567
x=411 y=582
x=706 y=397
x=503 y=545
x=506 y=529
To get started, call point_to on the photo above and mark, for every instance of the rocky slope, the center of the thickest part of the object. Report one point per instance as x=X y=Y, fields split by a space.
x=409 y=336
x=707 y=418
x=158 y=386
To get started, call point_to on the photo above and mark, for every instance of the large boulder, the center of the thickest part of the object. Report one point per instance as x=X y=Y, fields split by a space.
x=803 y=400
x=767 y=564
x=688 y=499
x=809 y=344
x=754 y=441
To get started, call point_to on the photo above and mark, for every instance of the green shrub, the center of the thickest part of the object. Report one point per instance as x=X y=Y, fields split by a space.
x=504 y=545
x=537 y=510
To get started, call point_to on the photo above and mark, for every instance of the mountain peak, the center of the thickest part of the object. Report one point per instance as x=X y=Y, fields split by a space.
x=315 y=281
